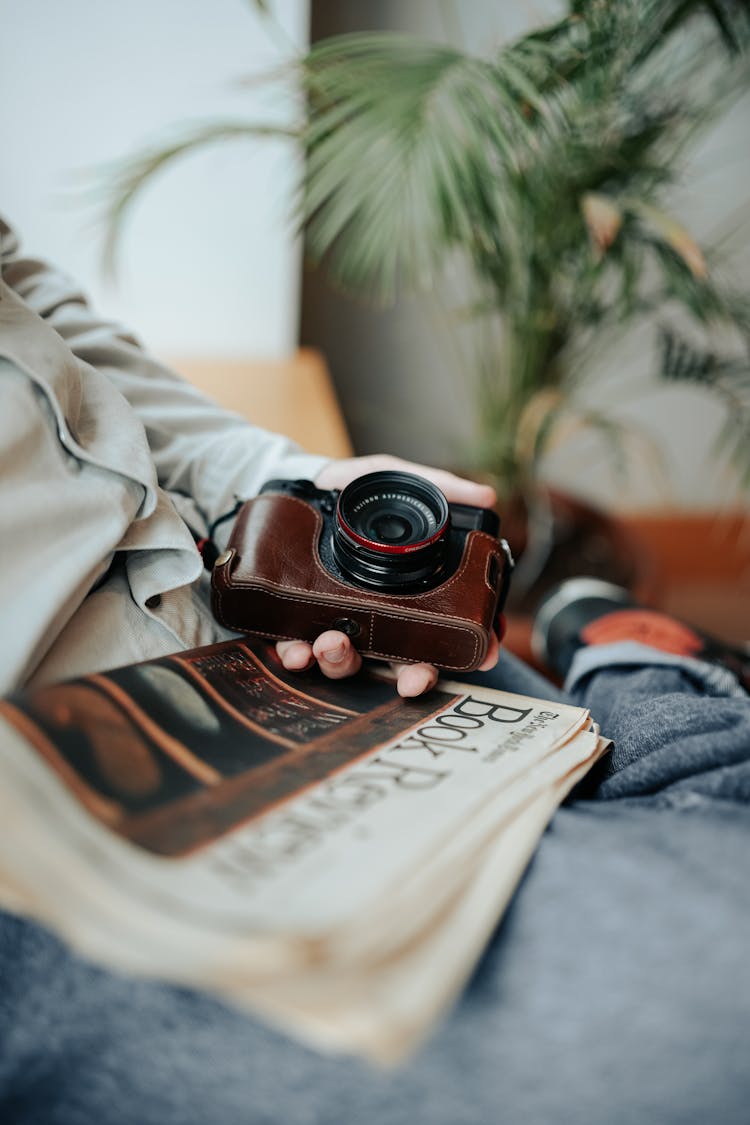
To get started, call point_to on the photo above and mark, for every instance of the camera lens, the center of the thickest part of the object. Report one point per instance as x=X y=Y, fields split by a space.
x=391 y=531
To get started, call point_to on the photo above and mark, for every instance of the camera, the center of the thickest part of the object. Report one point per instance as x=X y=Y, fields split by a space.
x=386 y=560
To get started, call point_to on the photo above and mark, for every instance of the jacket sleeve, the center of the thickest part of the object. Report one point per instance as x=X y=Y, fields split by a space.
x=200 y=449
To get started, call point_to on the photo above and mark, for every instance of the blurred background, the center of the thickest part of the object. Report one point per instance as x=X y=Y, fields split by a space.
x=212 y=271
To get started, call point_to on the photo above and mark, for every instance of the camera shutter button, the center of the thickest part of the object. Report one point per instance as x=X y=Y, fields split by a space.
x=346 y=625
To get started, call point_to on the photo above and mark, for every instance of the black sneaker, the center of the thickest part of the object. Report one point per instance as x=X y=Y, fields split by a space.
x=588 y=611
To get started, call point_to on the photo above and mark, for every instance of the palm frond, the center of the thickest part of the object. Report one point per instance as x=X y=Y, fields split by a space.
x=726 y=376
x=409 y=148
x=682 y=361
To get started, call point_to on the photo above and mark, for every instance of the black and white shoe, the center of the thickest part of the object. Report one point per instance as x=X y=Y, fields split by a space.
x=589 y=611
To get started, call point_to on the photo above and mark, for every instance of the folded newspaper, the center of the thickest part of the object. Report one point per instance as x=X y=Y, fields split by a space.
x=328 y=855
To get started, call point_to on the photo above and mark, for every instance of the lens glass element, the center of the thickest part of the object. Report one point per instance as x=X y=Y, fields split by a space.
x=390 y=529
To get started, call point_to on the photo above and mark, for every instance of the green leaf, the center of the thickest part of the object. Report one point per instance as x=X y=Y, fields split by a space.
x=724 y=375
x=412 y=147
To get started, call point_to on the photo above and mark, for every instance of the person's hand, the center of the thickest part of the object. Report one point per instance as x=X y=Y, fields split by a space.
x=333 y=652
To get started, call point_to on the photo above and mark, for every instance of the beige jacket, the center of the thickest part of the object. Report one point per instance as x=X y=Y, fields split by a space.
x=99 y=447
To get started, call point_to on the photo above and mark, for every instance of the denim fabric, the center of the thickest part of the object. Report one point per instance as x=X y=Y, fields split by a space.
x=615 y=991
x=681 y=728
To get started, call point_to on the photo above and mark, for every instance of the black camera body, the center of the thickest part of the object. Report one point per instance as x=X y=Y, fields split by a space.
x=387 y=560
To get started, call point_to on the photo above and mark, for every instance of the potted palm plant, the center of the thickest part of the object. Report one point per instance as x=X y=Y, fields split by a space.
x=545 y=164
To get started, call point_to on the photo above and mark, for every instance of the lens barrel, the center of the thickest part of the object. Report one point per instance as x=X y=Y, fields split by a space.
x=391 y=532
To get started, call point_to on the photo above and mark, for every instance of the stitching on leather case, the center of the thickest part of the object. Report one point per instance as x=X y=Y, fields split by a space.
x=277 y=593
x=323 y=600
x=370 y=651
x=319 y=600
x=366 y=652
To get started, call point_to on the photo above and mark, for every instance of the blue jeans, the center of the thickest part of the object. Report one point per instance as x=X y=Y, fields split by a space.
x=616 y=989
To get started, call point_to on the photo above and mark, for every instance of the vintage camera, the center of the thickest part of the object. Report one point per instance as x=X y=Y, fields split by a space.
x=387 y=560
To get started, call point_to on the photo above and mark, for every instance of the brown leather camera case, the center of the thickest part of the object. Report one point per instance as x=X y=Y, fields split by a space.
x=271 y=582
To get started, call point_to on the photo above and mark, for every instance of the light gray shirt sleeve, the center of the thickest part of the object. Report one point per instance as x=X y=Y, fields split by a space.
x=198 y=447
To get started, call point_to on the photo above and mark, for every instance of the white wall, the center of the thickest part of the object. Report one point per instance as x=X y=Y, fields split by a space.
x=209 y=263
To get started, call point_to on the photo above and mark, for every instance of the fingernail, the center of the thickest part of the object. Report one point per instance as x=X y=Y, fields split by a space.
x=335 y=655
x=418 y=682
x=299 y=656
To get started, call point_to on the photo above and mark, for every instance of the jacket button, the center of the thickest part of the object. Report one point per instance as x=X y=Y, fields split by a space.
x=153 y=602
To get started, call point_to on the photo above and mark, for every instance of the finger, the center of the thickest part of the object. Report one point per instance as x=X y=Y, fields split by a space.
x=296 y=656
x=457 y=490
x=415 y=679
x=493 y=654
x=336 y=655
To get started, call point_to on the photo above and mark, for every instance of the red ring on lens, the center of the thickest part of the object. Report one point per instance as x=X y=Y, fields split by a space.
x=386 y=548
